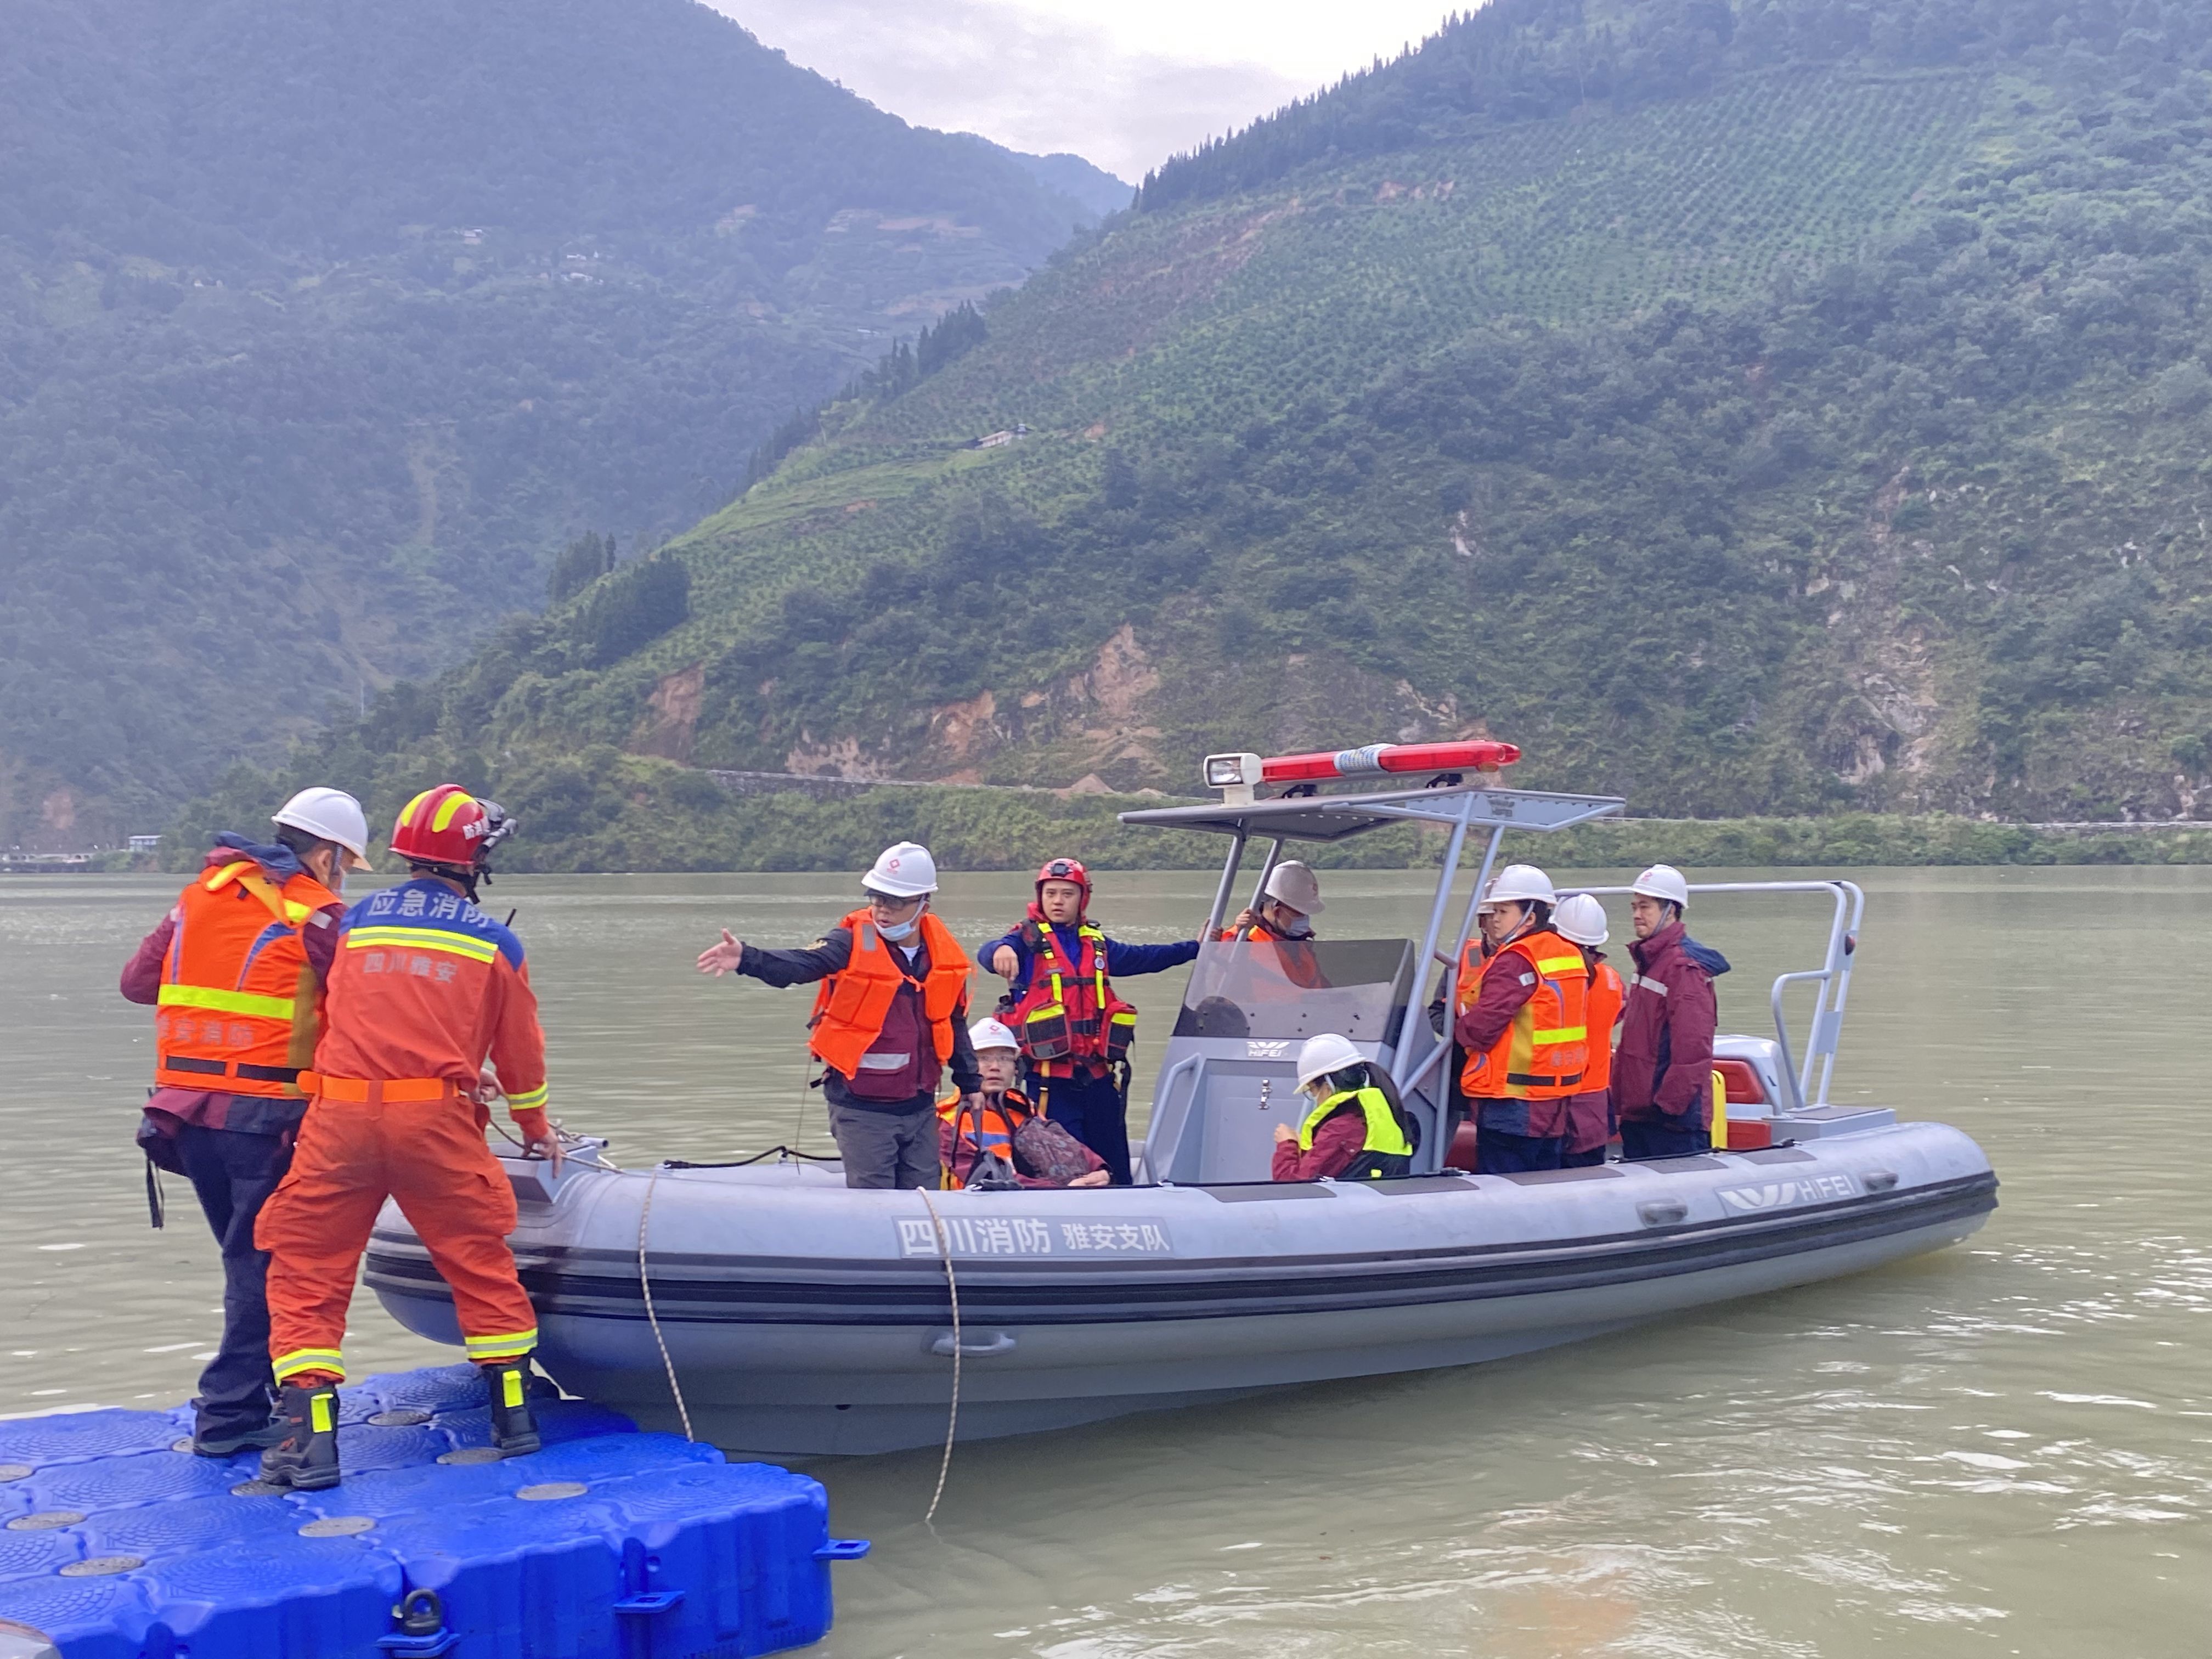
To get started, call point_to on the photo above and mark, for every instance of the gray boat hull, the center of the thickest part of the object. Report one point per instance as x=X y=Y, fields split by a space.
x=802 y=1318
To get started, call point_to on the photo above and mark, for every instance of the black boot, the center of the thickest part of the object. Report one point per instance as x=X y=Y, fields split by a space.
x=307 y=1459
x=514 y=1430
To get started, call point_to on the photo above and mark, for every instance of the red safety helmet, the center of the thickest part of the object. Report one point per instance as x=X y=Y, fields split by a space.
x=448 y=825
x=1064 y=870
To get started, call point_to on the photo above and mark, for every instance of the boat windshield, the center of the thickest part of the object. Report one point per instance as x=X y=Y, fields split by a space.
x=1297 y=989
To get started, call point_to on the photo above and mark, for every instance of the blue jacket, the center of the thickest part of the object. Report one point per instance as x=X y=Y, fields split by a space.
x=1122 y=960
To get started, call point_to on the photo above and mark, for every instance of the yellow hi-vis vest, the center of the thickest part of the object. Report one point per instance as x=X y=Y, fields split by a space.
x=1386 y=1150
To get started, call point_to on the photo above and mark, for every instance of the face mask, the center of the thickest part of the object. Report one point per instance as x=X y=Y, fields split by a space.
x=900 y=932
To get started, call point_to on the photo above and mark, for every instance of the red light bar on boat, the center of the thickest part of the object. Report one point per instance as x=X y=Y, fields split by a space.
x=1388 y=758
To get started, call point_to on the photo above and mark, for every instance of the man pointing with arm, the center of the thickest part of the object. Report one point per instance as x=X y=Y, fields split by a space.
x=891 y=1018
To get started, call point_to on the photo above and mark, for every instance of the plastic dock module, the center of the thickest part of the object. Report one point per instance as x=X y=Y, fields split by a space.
x=116 y=1543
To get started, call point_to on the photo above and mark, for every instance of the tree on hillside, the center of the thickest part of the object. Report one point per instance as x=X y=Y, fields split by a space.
x=578 y=565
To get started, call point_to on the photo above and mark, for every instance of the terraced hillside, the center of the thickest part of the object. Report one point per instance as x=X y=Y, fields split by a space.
x=1819 y=422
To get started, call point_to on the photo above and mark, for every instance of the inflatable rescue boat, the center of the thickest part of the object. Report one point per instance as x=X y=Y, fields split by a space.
x=790 y=1315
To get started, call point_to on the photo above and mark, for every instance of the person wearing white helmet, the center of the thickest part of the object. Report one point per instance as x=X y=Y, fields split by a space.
x=1001 y=1138
x=1355 y=1128
x=1288 y=904
x=237 y=970
x=1522 y=1025
x=889 y=1020
x=1662 y=1071
x=1591 y=1123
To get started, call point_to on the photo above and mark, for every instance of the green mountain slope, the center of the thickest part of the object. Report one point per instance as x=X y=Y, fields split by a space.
x=1785 y=407
x=324 y=324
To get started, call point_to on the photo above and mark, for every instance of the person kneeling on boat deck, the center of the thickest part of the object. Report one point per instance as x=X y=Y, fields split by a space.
x=1356 y=1130
x=1075 y=1033
x=1523 y=1023
x=425 y=988
x=1663 y=1073
x=238 y=970
x=997 y=1138
x=889 y=1020
x=1591 y=1121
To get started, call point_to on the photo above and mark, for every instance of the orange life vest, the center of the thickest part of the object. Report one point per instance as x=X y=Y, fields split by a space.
x=1543 y=1054
x=987 y=1128
x=1296 y=955
x=239 y=1004
x=1607 y=994
x=1070 y=1012
x=850 y=1007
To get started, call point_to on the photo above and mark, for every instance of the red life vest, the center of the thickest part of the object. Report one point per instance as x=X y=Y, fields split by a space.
x=1543 y=1053
x=852 y=1003
x=1607 y=994
x=1069 y=1013
x=240 y=1007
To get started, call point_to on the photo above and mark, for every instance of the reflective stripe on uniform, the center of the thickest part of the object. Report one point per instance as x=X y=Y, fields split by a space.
x=291 y=1364
x=1559 y=964
x=1641 y=982
x=424 y=939
x=511 y=1347
x=528 y=1101
x=224 y=1002
x=1565 y=1034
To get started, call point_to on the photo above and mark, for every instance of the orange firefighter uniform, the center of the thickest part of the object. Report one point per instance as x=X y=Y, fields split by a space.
x=424 y=988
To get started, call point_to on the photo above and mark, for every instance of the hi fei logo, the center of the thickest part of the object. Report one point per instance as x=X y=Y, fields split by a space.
x=1783 y=1194
x=1257 y=1051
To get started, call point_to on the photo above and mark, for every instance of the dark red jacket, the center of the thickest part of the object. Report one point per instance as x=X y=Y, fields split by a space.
x=1663 y=1067
x=1338 y=1143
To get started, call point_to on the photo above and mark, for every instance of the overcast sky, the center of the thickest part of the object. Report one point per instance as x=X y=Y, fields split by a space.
x=1124 y=83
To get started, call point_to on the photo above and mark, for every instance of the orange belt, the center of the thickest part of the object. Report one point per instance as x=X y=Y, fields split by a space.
x=375 y=1090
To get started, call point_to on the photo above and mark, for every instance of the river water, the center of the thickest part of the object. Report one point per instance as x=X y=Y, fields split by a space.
x=2006 y=1449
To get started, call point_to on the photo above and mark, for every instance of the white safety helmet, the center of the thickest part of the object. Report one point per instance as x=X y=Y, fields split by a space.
x=906 y=870
x=1521 y=884
x=986 y=1035
x=1293 y=884
x=1581 y=919
x=1663 y=881
x=1320 y=1056
x=335 y=817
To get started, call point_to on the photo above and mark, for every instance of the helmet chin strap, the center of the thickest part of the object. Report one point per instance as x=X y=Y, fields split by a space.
x=469 y=878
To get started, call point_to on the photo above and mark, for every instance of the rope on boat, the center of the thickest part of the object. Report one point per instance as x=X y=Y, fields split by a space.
x=952 y=1419
x=645 y=1283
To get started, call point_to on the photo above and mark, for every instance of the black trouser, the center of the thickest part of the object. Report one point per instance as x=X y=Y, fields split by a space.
x=1090 y=1106
x=1663 y=1137
x=234 y=1173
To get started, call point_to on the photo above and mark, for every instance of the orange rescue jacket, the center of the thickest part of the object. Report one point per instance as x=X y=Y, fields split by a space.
x=241 y=1006
x=1544 y=1054
x=1607 y=994
x=851 y=1004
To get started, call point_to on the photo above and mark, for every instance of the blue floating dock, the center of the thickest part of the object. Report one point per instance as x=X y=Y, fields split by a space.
x=606 y=1544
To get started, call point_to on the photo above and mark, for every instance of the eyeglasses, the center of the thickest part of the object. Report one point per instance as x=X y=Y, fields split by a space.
x=891 y=901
